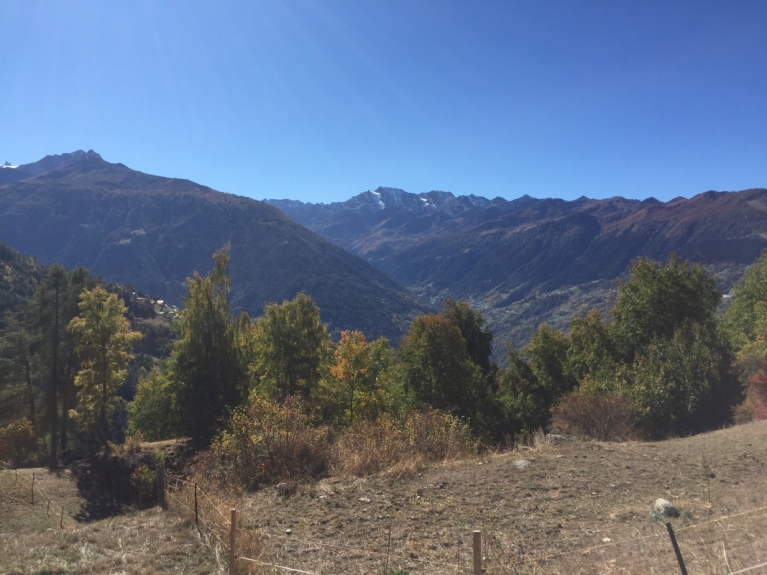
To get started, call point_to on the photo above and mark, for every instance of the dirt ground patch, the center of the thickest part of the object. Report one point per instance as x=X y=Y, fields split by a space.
x=562 y=507
x=574 y=500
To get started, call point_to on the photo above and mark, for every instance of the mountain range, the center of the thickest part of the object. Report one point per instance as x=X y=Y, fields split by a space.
x=372 y=262
x=529 y=260
x=154 y=232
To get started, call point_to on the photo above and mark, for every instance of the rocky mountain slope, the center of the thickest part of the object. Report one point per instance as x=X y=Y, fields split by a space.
x=154 y=232
x=530 y=260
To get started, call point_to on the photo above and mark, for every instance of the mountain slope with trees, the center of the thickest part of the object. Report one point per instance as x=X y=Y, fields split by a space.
x=154 y=232
x=530 y=260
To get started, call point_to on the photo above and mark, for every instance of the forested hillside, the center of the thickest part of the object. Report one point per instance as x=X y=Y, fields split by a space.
x=154 y=232
x=531 y=260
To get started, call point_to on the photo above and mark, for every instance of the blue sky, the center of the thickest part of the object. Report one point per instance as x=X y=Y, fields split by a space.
x=320 y=100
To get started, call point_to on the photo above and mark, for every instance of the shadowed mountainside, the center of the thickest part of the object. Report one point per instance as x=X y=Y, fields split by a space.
x=154 y=232
x=530 y=260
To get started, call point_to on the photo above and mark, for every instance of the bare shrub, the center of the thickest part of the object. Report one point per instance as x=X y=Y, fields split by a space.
x=266 y=442
x=401 y=445
x=603 y=416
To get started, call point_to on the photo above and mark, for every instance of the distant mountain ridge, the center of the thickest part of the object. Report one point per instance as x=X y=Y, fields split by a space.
x=528 y=260
x=154 y=232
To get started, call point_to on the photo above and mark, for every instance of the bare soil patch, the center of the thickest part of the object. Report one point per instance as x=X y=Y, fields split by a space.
x=573 y=500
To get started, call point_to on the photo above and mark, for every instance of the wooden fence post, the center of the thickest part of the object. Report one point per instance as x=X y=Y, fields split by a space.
x=196 y=517
x=233 y=543
x=161 y=486
x=33 y=488
x=48 y=509
x=477 y=553
x=61 y=521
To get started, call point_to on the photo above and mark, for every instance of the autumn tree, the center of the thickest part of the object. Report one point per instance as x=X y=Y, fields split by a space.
x=357 y=381
x=103 y=346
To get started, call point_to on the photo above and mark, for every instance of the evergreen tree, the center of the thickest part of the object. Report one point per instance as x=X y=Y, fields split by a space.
x=206 y=368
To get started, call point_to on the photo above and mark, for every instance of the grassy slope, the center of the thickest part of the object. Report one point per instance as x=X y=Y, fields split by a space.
x=571 y=498
x=147 y=542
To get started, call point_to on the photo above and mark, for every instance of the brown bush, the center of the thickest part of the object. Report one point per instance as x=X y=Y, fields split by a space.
x=603 y=416
x=267 y=442
x=755 y=405
x=401 y=445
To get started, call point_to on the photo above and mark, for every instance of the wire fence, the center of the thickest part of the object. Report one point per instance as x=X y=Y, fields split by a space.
x=24 y=476
x=731 y=544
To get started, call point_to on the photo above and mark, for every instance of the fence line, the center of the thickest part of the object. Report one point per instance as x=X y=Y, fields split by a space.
x=461 y=567
x=748 y=569
x=264 y=534
x=213 y=530
x=36 y=485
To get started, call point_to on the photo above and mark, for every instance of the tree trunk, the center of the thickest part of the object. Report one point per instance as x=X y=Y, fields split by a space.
x=54 y=391
x=30 y=397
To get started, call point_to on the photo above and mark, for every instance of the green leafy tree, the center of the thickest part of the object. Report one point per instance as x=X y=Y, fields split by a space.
x=534 y=380
x=206 y=368
x=659 y=299
x=591 y=351
x=152 y=411
x=663 y=348
x=683 y=384
x=745 y=319
x=479 y=339
x=547 y=356
x=104 y=341
x=524 y=401
x=50 y=324
x=17 y=349
x=436 y=368
x=290 y=347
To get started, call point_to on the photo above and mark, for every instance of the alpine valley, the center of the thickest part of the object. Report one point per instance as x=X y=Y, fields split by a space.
x=528 y=260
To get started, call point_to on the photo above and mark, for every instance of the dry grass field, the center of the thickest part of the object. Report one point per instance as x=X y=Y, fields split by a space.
x=561 y=507
x=146 y=542
x=556 y=507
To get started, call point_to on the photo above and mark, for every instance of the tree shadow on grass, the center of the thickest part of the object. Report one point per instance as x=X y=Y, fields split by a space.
x=104 y=481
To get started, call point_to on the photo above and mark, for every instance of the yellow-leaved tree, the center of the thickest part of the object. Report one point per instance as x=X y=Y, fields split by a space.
x=358 y=380
x=104 y=340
